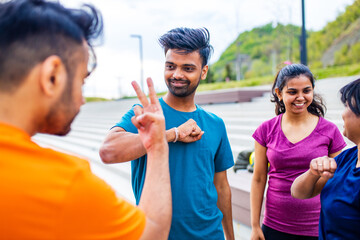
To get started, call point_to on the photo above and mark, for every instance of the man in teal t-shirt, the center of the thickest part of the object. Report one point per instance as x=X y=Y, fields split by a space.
x=199 y=150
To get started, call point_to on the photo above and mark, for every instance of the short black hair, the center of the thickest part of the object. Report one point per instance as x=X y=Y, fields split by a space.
x=350 y=96
x=188 y=40
x=32 y=30
x=317 y=107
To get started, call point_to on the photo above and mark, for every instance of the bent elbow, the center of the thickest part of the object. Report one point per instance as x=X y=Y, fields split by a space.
x=105 y=155
x=293 y=194
x=296 y=194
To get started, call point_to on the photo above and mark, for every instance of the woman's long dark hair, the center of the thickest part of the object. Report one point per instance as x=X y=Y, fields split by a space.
x=317 y=107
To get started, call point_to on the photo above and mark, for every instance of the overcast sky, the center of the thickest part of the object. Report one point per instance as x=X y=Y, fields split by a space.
x=118 y=57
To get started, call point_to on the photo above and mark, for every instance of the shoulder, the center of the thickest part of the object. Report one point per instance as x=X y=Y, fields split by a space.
x=325 y=123
x=125 y=121
x=327 y=128
x=273 y=120
x=207 y=114
x=96 y=204
x=70 y=161
x=270 y=124
x=266 y=129
x=163 y=104
x=210 y=117
x=346 y=156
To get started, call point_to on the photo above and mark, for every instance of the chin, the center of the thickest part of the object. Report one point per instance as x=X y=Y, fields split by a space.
x=57 y=132
x=63 y=132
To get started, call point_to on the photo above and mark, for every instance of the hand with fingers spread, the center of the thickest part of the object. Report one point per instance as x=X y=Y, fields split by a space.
x=189 y=132
x=149 y=119
x=323 y=167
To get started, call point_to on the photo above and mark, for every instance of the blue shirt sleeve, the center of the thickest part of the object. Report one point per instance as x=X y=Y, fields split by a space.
x=126 y=123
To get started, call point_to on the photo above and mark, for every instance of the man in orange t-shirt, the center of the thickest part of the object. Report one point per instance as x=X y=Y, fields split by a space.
x=44 y=59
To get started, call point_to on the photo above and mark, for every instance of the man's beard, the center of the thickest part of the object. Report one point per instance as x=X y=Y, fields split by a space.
x=181 y=91
x=61 y=115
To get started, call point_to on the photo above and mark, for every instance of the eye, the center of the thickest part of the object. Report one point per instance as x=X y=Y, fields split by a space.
x=169 y=67
x=188 y=69
x=307 y=90
x=292 y=92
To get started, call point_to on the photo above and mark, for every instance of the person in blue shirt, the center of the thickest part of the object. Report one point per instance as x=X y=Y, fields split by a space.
x=338 y=180
x=199 y=149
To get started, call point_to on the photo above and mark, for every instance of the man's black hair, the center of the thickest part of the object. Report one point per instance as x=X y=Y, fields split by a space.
x=32 y=30
x=350 y=96
x=188 y=40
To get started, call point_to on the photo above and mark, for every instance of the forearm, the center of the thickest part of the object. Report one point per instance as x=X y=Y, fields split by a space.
x=122 y=146
x=156 y=194
x=224 y=204
x=304 y=186
x=256 y=200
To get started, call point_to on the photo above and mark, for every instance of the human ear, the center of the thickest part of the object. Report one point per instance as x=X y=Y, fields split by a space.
x=53 y=76
x=278 y=94
x=204 y=72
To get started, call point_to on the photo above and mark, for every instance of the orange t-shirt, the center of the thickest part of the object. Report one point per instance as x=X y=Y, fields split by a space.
x=46 y=194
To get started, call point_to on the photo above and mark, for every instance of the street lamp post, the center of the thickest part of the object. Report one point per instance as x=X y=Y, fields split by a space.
x=303 y=50
x=141 y=59
x=238 y=62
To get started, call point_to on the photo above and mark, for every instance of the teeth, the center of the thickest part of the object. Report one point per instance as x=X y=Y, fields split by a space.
x=299 y=104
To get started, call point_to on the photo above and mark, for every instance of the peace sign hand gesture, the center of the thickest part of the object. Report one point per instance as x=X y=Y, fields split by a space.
x=149 y=119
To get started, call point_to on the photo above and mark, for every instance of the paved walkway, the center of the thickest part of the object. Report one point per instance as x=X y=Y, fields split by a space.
x=241 y=119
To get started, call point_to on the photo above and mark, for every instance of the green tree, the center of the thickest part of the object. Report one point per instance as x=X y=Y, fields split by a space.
x=229 y=73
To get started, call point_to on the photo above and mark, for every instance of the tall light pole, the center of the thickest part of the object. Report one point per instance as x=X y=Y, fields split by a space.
x=303 y=50
x=238 y=61
x=141 y=59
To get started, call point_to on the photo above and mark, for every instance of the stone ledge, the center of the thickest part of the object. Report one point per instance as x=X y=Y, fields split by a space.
x=228 y=96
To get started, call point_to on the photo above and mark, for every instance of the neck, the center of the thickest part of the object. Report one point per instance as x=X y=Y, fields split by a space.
x=183 y=104
x=298 y=118
x=18 y=113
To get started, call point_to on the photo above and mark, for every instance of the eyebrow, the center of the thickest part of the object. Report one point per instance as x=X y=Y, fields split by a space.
x=296 y=89
x=189 y=65
x=185 y=65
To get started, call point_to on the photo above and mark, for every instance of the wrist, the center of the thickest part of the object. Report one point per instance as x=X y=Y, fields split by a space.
x=176 y=131
x=171 y=135
x=312 y=174
x=159 y=146
x=255 y=225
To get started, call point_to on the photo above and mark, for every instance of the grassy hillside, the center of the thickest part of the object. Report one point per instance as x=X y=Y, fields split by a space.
x=263 y=50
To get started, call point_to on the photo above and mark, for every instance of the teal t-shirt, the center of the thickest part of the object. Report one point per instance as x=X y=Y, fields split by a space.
x=192 y=168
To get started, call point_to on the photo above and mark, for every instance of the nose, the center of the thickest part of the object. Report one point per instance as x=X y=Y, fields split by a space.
x=178 y=74
x=300 y=96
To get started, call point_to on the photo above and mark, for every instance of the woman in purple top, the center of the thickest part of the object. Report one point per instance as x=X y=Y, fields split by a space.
x=289 y=141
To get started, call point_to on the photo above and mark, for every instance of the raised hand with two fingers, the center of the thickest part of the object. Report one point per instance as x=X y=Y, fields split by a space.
x=149 y=119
